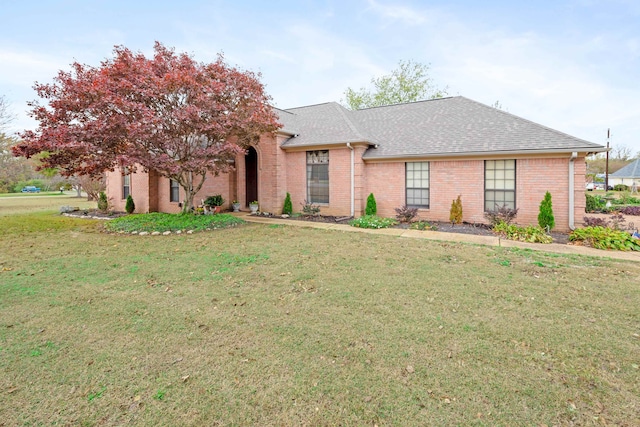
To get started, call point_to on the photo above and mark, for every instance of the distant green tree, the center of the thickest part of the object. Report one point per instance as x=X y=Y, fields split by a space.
x=372 y=207
x=545 y=217
x=408 y=83
x=13 y=170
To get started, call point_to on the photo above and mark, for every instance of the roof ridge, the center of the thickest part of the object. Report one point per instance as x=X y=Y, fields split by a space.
x=284 y=111
x=408 y=103
x=352 y=126
x=311 y=105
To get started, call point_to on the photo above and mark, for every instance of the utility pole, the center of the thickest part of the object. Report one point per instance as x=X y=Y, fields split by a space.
x=606 y=164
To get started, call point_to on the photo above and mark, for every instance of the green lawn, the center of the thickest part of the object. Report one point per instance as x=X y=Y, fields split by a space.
x=17 y=203
x=276 y=325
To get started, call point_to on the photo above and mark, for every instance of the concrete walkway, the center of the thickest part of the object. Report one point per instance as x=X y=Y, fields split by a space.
x=450 y=237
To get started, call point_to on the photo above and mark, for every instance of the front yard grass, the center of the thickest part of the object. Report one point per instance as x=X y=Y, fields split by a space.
x=260 y=325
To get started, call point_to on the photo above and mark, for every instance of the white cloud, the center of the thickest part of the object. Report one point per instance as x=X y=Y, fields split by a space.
x=396 y=12
x=23 y=68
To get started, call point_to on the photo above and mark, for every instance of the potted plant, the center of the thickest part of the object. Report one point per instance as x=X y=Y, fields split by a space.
x=214 y=203
x=253 y=206
x=236 y=206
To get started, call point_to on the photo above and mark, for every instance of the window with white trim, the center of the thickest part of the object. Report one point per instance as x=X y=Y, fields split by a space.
x=417 y=184
x=174 y=191
x=318 y=176
x=126 y=183
x=499 y=184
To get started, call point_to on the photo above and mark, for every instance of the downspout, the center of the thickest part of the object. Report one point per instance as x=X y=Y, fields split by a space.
x=572 y=191
x=353 y=179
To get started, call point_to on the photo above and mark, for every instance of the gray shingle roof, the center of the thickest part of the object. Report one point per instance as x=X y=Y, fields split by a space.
x=632 y=170
x=321 y=124
x=439 y=127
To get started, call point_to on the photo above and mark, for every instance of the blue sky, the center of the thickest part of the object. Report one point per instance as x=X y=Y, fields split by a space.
x=572 y=65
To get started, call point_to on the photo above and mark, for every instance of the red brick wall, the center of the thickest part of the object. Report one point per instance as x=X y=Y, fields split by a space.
x=139 y=190
x=272 y=172
x=114 y=190
x=339 y=181
x=150 y=192
x=534 y=177
x=580 y=204
x=162 y=196
x=448 y=179
x=296 y=183
x=387 y=183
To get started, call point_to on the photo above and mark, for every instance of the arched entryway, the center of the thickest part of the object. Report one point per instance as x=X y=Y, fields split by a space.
x=251 y=175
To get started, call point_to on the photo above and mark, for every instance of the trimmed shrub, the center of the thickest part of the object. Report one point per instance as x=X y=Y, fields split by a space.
x=545 y=217
x=423 y=225
x=594 y=203
x=371 y=208
x=288 y=207
x=617 y=221
x=502 y=214
x=605 y=238
x=529 y=234
x=309 y=209
x=455 y=214
x=630 y=210
x=592 y=221
x=373 y=221
x=103 y=203
x=216 y=200
x=620 y=187
x=405 y=213
x=129 y=206
x=628 y=199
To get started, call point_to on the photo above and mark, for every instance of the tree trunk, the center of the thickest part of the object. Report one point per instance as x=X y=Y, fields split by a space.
x=188 y=193
x=78 y=190
x=188 y=202
x=190 y=189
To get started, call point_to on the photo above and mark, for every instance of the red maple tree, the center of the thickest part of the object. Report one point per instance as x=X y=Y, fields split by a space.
x=169 y=114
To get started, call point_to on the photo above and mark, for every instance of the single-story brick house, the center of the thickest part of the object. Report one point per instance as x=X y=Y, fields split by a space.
x=628 y=175
x=422 y=154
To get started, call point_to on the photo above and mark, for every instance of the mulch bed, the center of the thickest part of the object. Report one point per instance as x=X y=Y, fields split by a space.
x=445 y=227
x=94 y=214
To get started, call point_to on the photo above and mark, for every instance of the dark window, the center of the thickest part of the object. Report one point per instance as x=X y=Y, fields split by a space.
x=318 y=176
x=174 y=191
x=126 y=184
x=417 y=184
x=499 y=184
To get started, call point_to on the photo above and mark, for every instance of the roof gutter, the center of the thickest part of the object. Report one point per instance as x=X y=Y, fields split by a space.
x=484 y=154
x=572 y=190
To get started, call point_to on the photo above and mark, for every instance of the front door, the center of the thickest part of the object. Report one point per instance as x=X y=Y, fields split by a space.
x=251 y=175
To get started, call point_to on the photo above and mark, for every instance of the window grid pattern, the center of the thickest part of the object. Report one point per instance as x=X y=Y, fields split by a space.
x=174 y=191
x=417 y=184
x=499 y=184
x=318 y=176
x=126 y=184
